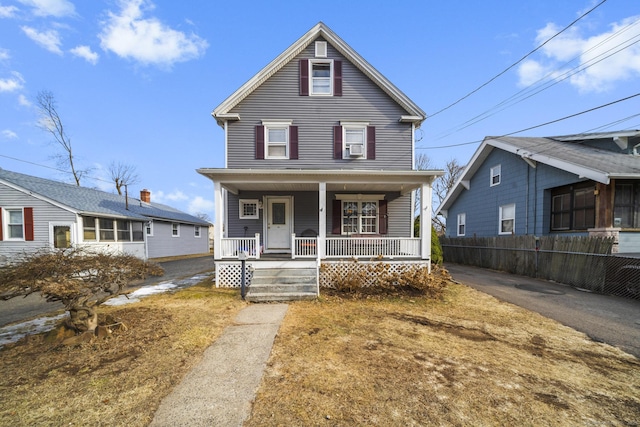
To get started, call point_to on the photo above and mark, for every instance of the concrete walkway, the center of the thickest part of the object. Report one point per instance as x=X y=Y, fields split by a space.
x=220 y=390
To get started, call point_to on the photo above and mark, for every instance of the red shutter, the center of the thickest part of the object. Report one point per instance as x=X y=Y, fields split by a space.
x=371 y=142
x=336 y=217
x=293 y=142
x=28 y=224
x=337 y=78
x=0 y=223
x=337 y=142
x=382 y=217
x=304 y=77
x=259 y=142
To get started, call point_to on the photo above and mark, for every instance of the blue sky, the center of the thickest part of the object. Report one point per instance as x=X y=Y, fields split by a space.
x=135 y=81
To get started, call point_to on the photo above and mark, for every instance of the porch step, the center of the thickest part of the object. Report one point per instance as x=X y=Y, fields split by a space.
x=282 y=284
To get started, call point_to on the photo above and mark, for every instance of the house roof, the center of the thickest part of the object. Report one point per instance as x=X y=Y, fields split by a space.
x=403 y=181
x=223 y=111
x=569 y=153
x=89 y=201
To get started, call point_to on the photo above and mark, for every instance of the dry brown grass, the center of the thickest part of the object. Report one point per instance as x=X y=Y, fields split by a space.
x=466 y=359
x=119 y=380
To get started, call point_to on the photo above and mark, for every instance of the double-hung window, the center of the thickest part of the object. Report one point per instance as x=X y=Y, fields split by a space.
x=359 y=217
x=196 y=231
x=124 y=230
x=107 y=232
x=277 y=140
x=496 y=173
x=321 y=79
x=354 y=140
x=462 y=220
x=507 y=219
x=89 y=228
x=15 y=224
x=175 y=230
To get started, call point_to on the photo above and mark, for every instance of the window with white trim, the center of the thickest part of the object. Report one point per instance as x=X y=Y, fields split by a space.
x=196 y=231
x=175 y=229
x=136 y=231
x=276 y=140
x=359 y=217
x=89 y=228
x=124 y=230
x=107 y=232
x=14 y=218
x=354 y=140
x=149 y=228
x=507 y=219
x=320 y=77
x=462 y=220
x=249 y=209
x=495 y=175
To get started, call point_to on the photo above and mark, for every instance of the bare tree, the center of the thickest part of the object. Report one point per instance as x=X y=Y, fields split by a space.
x=442 y=186
x=123 y=174
x=51 y=122
x=203 y=216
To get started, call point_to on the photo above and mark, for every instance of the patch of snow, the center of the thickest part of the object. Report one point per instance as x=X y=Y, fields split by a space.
x=12 y=333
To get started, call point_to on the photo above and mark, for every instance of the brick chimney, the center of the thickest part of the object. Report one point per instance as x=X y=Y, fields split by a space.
x=145 y=196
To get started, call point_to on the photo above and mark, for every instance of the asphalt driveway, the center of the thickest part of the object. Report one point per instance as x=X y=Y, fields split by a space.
x=604 y=318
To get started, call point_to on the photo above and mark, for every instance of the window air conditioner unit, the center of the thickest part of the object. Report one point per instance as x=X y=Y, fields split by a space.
x=356 y=150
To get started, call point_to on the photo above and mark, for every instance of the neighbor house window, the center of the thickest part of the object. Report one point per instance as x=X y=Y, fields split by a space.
x=107 y=232
x=137 y=228
x=175 y=230
x=321 y=78
x=507 y=219
x=196 y=231
x=15 y=223
x=149 y=228
x=124 y=230
x=462 y=218
x=495 y=175
x=626 y=211
x=359 y=217
x=249 y=209
x=89 y=228
x=573 y=208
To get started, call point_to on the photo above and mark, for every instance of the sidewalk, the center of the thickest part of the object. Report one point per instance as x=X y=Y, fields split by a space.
x=220 y=390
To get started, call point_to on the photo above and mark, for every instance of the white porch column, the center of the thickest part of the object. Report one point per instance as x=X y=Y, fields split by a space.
x=218 y=198
x=425 y=221
x=322 y=221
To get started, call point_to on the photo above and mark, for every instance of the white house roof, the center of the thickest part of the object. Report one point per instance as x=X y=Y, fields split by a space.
x=569 y=153
x=223 y=111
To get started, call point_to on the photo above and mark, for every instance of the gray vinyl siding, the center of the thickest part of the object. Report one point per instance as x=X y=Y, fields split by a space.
x=362 y=100
x=306 y=214
x=43 y=213
x=163 y=244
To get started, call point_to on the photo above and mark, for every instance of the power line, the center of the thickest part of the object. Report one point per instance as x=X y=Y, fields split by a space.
x=519 y=61
x=540 y=125
x=55 y=169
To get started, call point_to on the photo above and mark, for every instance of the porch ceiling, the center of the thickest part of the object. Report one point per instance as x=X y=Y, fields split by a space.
x=235 y=180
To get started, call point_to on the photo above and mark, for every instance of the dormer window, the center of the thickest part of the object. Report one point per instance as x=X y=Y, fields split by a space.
x=320 y=82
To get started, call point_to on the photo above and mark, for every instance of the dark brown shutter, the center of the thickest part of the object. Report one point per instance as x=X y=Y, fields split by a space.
x=259 y=142
x=337 y=78
x=304 y=77
x=382 y=217
x=28 y=224
x=0 y=223
x=336 y=217
x=293 y=142
x=337 y=142
x=371 y=142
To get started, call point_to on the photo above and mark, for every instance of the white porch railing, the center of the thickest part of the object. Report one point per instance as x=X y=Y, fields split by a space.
x=304 y=247
x=367 y=247
x=233 y=246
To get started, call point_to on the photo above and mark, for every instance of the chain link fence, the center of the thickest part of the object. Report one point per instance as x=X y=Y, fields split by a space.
x=581 y=262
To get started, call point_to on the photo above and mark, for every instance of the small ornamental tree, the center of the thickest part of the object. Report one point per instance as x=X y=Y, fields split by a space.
x=80 y=280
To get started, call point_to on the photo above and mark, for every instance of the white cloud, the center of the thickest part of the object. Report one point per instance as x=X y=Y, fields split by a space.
x=129 y=34
x=50 y=40
x=86 y=53
x=8 y=11
x=4 y=54
x=22 y=100
x=11 y=84
x=200 y=204
x=9 y=134
x=606 y=58
x=162 y=197
x=57 y=8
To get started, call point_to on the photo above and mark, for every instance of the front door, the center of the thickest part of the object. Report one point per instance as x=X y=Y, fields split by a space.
x=61 y=235
x=279 y=224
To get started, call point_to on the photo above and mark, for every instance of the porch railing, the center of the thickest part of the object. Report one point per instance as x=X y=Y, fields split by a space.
x=304 y=247
x=233 y=246
x=367 y=247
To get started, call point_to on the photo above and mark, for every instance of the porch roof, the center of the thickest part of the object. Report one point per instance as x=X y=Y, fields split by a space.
x=236 y=180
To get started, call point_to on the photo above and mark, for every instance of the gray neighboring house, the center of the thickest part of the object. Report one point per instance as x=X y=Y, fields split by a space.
x=319 y=161
x=38 y=213
x=586 y=184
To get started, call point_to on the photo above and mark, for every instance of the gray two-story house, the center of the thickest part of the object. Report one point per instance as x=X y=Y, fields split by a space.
x=585 y=184
x=319 y=162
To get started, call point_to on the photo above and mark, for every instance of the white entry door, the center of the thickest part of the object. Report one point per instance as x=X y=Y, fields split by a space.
x=279 y=224
x=61 y=235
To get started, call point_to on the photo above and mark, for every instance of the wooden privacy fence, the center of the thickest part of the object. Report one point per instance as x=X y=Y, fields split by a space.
x=581 y=262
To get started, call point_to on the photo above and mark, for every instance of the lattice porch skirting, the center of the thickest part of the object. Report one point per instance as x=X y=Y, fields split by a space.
x=229 y=274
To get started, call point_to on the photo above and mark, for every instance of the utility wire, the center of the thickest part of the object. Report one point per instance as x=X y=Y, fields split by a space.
x=519 y=61
x=540 y=125
x=52 y=168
